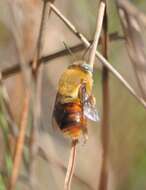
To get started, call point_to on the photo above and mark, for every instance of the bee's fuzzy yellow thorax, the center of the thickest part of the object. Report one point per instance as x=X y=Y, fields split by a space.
x=71 y=80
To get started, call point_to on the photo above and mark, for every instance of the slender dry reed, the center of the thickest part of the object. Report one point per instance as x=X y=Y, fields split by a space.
x=97 y=33
x=37 y=77
x=103 y=182
x=19 y=144
x=57 y=163
x=12 y=70
x=71 y=165
x=24 y=116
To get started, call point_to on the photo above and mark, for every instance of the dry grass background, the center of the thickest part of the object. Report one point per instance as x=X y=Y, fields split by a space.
x=127 y=117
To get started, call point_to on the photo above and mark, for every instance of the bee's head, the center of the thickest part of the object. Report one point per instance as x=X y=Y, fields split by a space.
x=84 y=65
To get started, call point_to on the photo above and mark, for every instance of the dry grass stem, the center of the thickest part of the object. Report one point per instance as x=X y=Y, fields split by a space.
x=35 y=63
x=103 y=181
x=37 y=74
x=57 y=163
x=20 y=144
x=135 y=41
x=97 y=32
x=16 y=31
x=34 y=138
x=12 y=70
x=71 y=166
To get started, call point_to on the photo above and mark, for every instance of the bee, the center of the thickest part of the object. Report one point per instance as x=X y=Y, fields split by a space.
x=75 y=102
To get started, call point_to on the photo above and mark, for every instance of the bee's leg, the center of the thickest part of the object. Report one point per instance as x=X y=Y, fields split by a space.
x=92 y=100
x=83 y=97
x=82 y=92
x=85 y=135
x=87 y=51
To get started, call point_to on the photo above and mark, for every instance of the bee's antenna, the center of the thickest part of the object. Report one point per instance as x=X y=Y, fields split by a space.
x=70 y=52
x=86 y=51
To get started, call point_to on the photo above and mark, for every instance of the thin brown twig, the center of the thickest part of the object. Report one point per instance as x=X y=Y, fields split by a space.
x=34 y=138
x=26 y=73
x=103 y=181
x=99 y=56
x=57 y=163
x=20 y=144
x=13 y=130
x=37 y=75
x=71 y=165
x=12 y=70
x=35 y=64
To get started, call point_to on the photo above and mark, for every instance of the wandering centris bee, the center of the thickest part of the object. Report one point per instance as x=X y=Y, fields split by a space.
x=75 y=101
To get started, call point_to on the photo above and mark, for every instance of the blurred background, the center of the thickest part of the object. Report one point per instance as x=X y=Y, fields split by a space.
x=127 y=149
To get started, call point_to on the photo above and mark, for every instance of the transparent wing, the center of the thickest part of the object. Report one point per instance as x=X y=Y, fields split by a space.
x=90 y=111
x=89 y=104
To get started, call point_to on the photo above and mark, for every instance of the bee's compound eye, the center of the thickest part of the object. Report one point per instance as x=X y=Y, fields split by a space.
x=87 y=67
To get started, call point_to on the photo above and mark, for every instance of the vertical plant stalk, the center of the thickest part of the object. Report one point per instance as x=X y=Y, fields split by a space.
x=13 y=129
x=12 y=70
x=16 y=31
x=37 y=77
x=36 y=63
x=103 y=182
x=71 y=165
x=19 y=144
x=97 y=33
x=34 y=136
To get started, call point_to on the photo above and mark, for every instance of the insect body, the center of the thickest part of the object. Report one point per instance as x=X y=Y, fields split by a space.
x=74 y=101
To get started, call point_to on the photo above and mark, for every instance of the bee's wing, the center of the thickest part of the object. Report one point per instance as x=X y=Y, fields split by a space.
x=89 y=108
x=90 y=111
